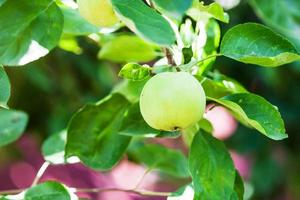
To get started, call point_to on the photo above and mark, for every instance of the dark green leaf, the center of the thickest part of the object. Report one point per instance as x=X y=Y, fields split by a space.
x=238 y=193
x=211 y=168
x=155 y=156
x=135 y=72
x=93 y=133
x=48 y=191
x=144 y=21
x=128 y=48
x=12 y=125
x=173 y=8
x=219 y=85
x=184 y=193
x=256 y=44
x=254 y=111
x=281 y=15
x=74 y=24
x=4 y=87
x=214 y=10
x=134 y=124
x=187 y=54
x=32 y=29
x=169 y=134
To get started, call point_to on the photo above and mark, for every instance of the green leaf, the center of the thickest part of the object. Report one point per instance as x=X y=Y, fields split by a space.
x=173 y=8
x=199 y=11
x=189 y=133
x=32 y=29
x=211 y=168
x=280 y=15
x=130 y=89
x=4 y=87
x=69 y=43
x=187 y=54
x=12 y=125
x=155 y=156
x=53 y=149
x=128 y=48
x=135 y=72
x=238 y=193
x=48 y=191
x=144 y=21
x=184 y=193
x=98 y=126
x=256 y=112
x=134 y=124
x=220 y=85
x=74 y=24
x=256 y=44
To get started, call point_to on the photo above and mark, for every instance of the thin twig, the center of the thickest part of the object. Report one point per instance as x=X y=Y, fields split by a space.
x=139 y=192
x=101 y=190
x=14 y=191
x=40 y=173
x=140 y=181
x=191 y=64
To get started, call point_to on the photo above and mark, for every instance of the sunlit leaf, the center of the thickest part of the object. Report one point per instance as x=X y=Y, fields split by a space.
x=144 y=21
x=76 y=25
x=130 y=89
x=53 y=149
x=220 y=85
x=135 y=72
x=211 y=168
x=256 y=112
x=256 y=44
x=199 y=11
x=29 y=30
x=98 y=125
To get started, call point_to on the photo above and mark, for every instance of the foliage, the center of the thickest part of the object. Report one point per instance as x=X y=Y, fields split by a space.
x=150 y=39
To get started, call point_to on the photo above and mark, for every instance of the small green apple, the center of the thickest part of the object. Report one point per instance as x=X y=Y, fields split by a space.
x=98 y=12
x=172 y=100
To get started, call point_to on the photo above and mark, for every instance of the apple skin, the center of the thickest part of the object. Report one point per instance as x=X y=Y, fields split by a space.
x=98 y=12
x=172 y=101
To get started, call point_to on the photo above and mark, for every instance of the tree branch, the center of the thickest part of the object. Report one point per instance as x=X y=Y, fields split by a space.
x=101 y=190
x=40 y=173
x=134 y=191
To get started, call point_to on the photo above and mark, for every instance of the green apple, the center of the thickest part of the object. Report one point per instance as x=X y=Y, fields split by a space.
x=172 y=100
x=98 y=12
